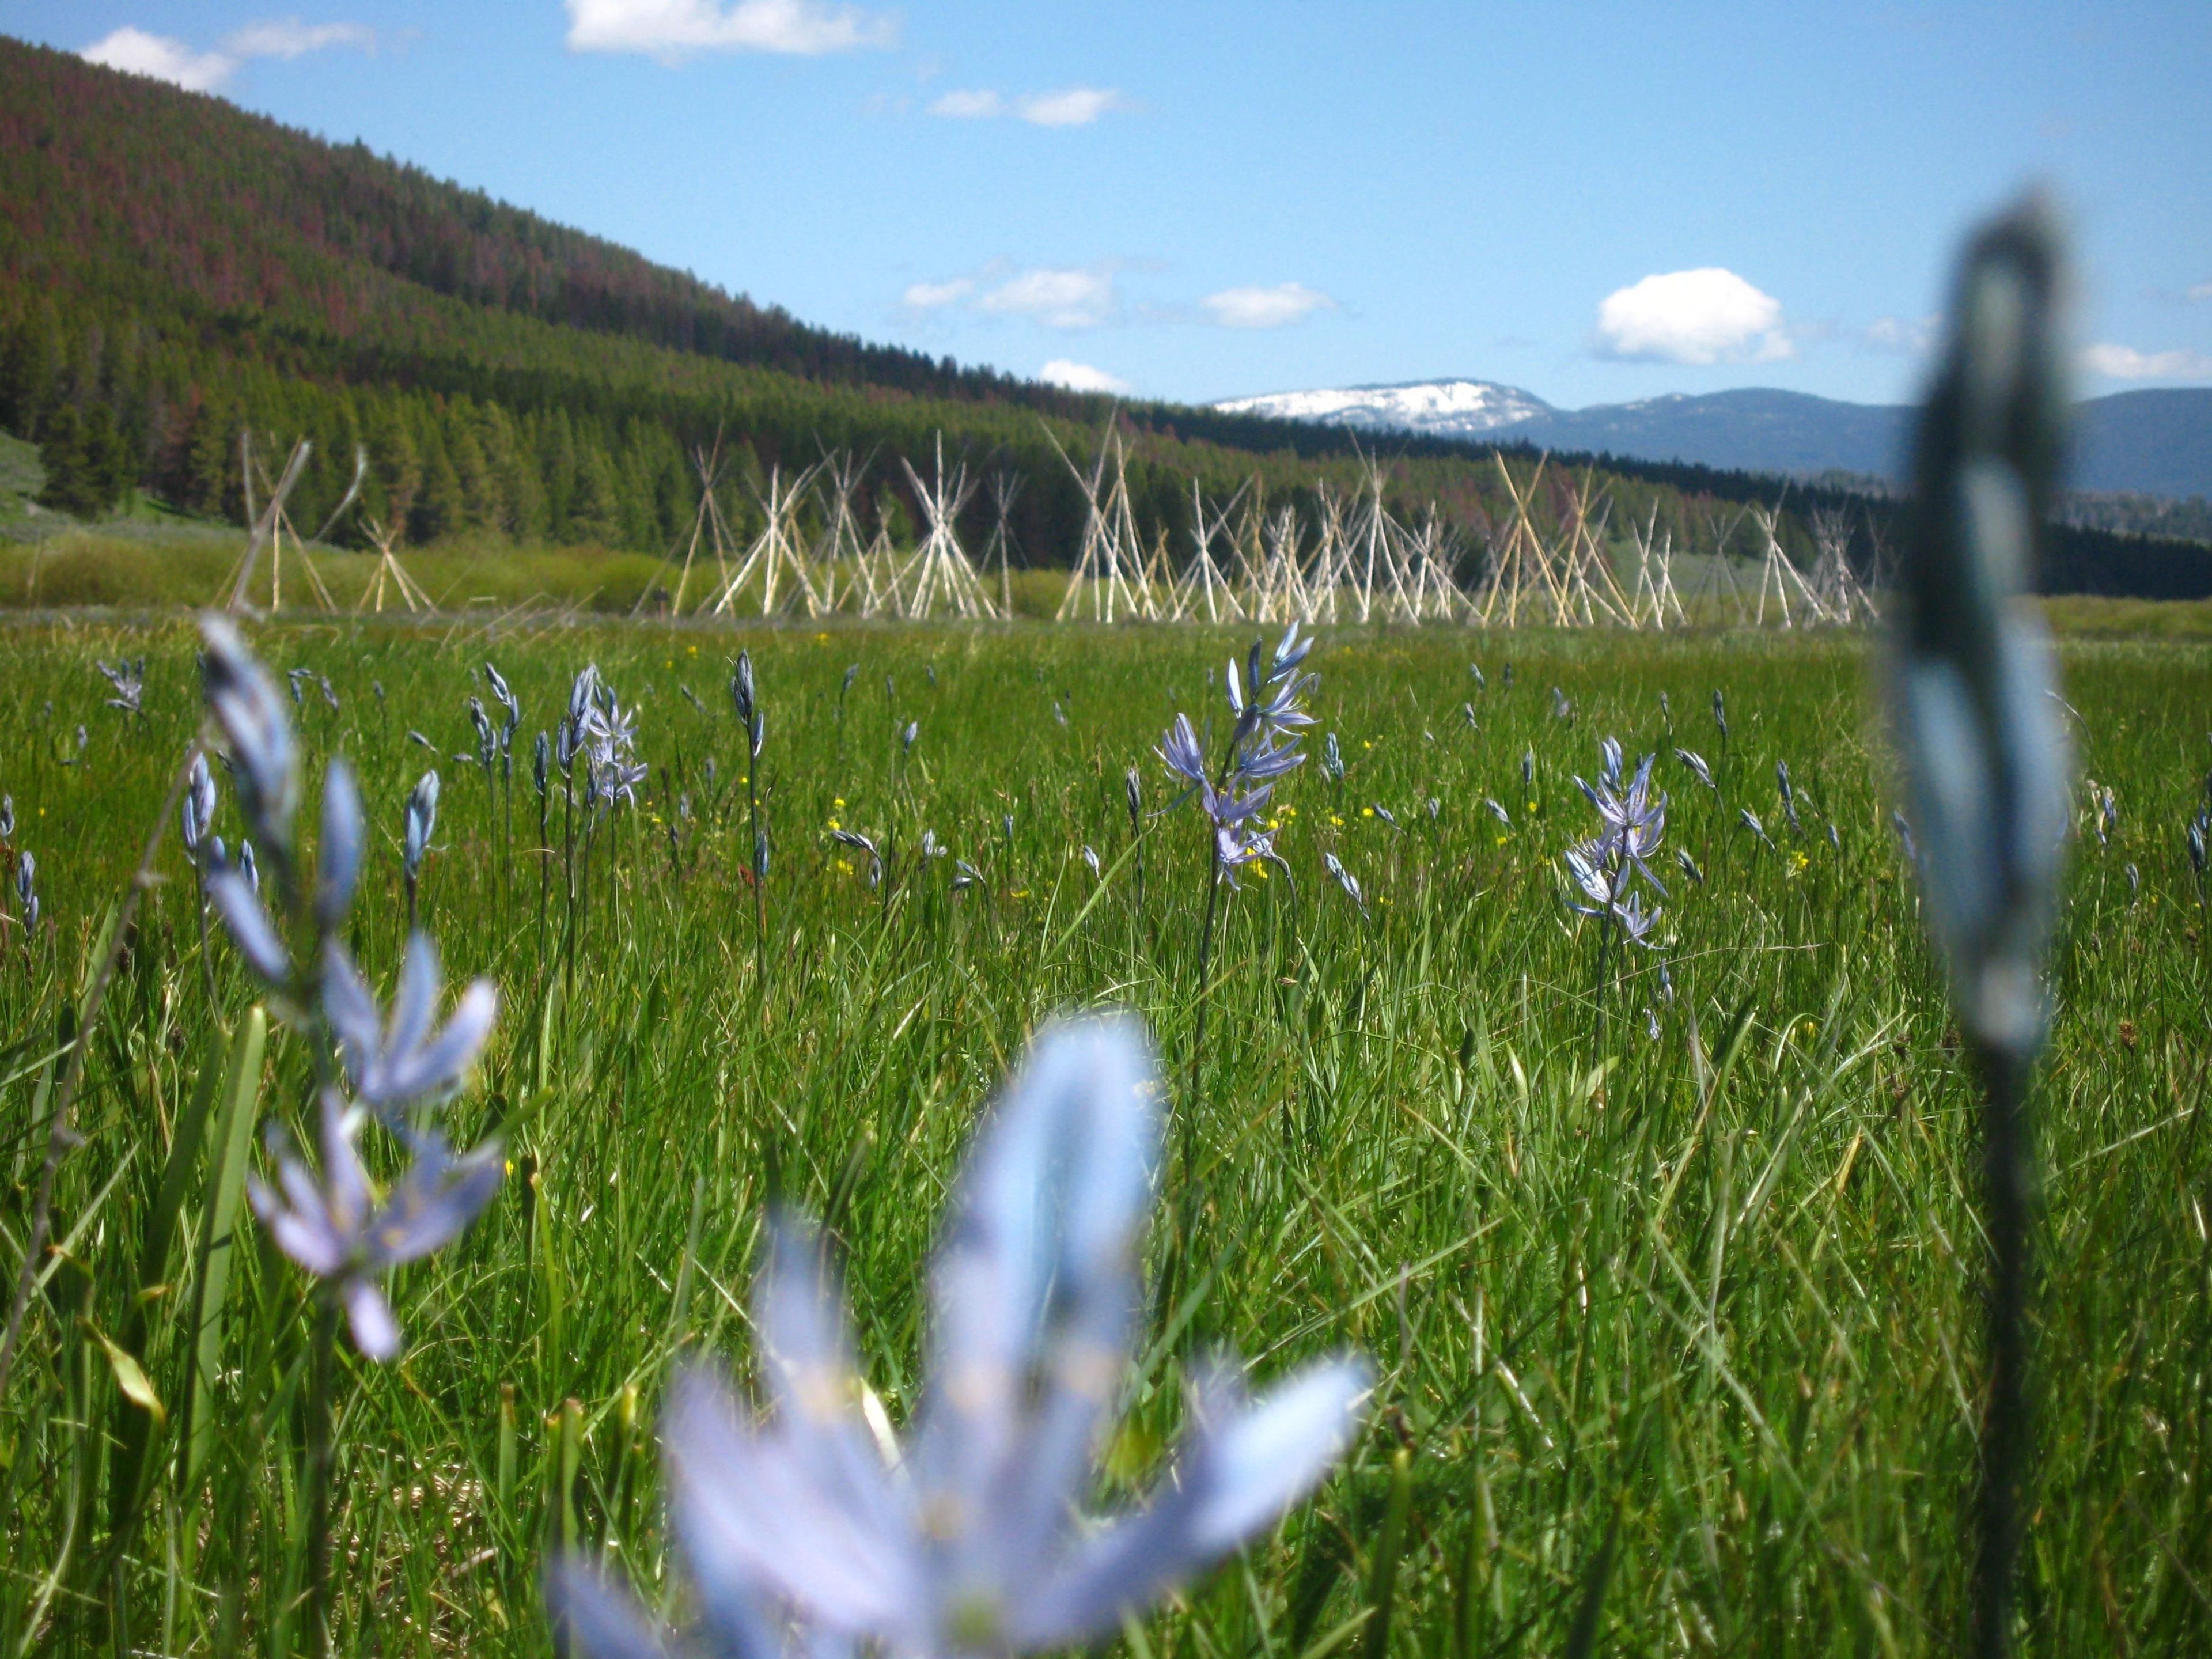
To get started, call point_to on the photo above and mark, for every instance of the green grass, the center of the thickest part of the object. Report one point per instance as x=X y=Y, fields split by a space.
x=1719 y=1284
x=142 y=568
x=20 y=474
x=147 y=564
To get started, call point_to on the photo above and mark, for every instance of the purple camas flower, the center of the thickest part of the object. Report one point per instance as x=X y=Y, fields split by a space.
x=127 y=678
x=608 y=735
x=1631 y=820
x=1262 y=746
x=406 y=1060
x=1181 y=753
x=969 y=1539
x=334 y=1224
x=331 y=1219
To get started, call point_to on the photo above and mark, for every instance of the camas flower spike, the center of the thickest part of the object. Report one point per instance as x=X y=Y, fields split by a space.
x=1985 y=757
x=969 y=1541
x=1985 y=767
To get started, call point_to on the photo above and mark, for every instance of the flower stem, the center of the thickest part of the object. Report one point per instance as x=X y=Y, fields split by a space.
x=1604 y=950
x=1195 y=1094
x=2008 y=1431
x=760 y=876
x=321 y=1455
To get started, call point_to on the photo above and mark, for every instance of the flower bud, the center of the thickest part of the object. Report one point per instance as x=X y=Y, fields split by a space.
x=1985 y=758
x=337 y=855
x=246 y=705
x=422 y=823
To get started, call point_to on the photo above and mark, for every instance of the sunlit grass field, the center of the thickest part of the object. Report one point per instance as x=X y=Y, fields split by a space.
x=1670 y=1278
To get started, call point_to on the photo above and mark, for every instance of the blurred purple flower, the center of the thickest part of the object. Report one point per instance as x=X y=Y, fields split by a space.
x=970 y=1540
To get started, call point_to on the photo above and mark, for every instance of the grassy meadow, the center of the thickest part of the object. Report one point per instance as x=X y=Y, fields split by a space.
x=1669 y=1278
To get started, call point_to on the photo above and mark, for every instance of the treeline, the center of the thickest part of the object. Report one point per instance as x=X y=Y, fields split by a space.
x=487 y=422
x=2181 y=518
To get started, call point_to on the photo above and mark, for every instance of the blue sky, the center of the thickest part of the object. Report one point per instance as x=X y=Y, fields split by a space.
x=1193 y=201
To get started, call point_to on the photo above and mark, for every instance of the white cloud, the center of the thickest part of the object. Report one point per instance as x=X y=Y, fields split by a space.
x=134 y=51
x=969 y=106
x=2202 y=291
x=288 y=38
x=1704 y=316
x=1081 y=377
x=1908 y=336
x=935 y=296
x=1059 y=296
x=1265 y=308
x=671 y=29
x=2120 y=363
x=1071 y=107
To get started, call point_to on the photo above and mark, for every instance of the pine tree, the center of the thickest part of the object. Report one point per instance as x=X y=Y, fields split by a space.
x=88 y=468
x=210 y=480
x=440 y=510
x=481 y=505
x=594 y=514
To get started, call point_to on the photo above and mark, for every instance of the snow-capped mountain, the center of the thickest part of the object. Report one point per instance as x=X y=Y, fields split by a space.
x=1442 y=409
x=2153 y=441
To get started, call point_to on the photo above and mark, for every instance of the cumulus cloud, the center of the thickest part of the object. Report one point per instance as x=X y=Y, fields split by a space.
x=1704 y=316
x=1059 y=296
x=1081 y=377
x=935 y=296
x=969 y=106
x=134 y=51
x=673 y=29
x=2120 y=363
x=1265 y=308
x=1071 y=107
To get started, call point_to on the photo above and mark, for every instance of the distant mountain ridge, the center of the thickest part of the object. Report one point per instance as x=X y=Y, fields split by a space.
x=2155 y=443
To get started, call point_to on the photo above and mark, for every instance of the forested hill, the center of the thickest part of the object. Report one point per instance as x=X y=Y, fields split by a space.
x=134 y=193
x=175 y=269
